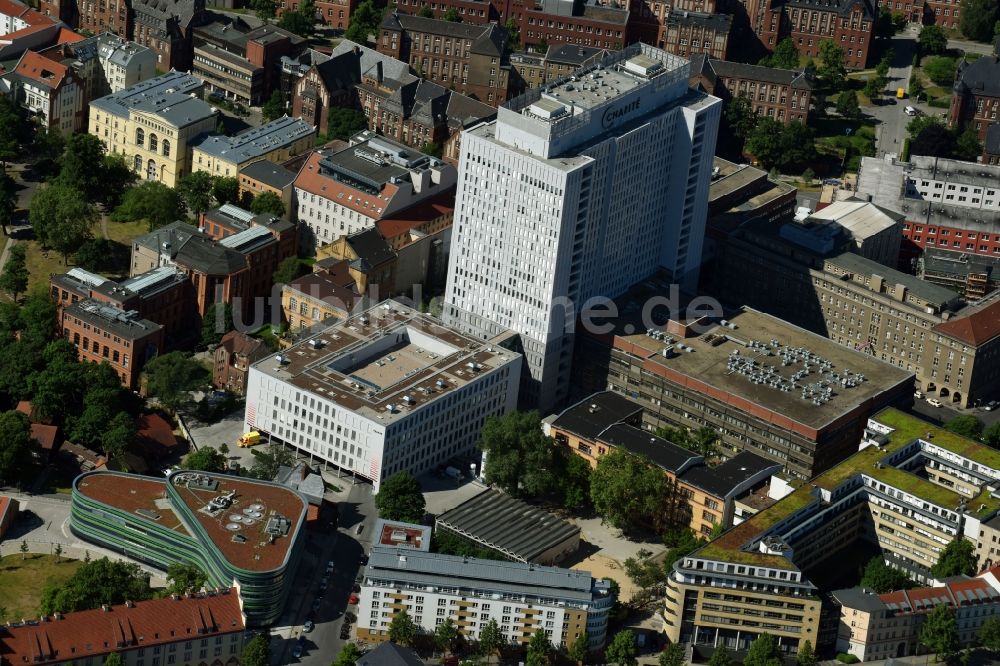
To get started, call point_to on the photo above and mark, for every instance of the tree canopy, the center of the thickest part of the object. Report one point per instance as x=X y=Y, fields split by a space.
x=62 y=217
x=720 y=657
x=806 y=656
x=218 y=321
x=831 y=64
x=289 y=269
x=14 y=278
x=991 y=436
x=348 y=655
x=847 y=104
x=882 y=578
x=979 y=18
x=205 y=459
x=932 y=40
x=400 y=498
x=764 y=651
x=621 y=650
x=672 y=655
x=172 y=376
x=119 y=435
x=539 y=649
x=966 y=425
x=364 y=21
x=579 y=648
x=152 y=201
x=274 y=107
x=257 y=652
x=957 y=559
x=344 y=122
x=785 y=55
x=989 y=633
x=184 y=578
x=266 y=461
x=402 y=629
x=941 y=70
x=939 y=632
x=226 y=189
x=17 y=448
x=778 y=146
x=267 y=202
x=95 y=583
x=8 y=201
x=446 y=635
x=629 y=492
x=518 y=454
x=196 y=190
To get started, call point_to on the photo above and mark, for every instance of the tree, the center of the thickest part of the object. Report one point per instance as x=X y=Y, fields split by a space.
x=14 y=130
x=935 y=140
x=205 y=459
x=777 y=145
x=681 y=541
x=267 y=202
x=490 y=639
x=939 y=632
x=884 y=28
x=513 y=35
x=446 y=635
x=297 y=22
x=957 y=559
x=80 y=166
x=172 y=376
x=257 y=652
x=62 y=217
x=882 y=578
x=806 y=656
x=24 y=549
x=47 y=149
x=264 y=9
x=873 y=90
x=979 y=18
x=847 y=104
x=196 y=190
x=8 y=201
x=95 y=583
x=152 y=201
x=218 y=321
x=348 y=656
x=343 y=122
x=941 y=70
x=402 y=629
x=116 y=179
x=580 y=648
x=539 y=649
x=266 y=462
x=100 y=406
x=119 y=436
x=17 y=448
x=622 y=649
x=741 y=117
x=57 y=551
x=400 y=498
x=452 y=15
x=97 y=254
x=274 y=107
x=966 y=426
x=14 y=278
x=720 y=657
x=184 y=578
x=989 y=633
x=629 y=492
x=764 y=651
x=519 y=456
x=992 y=435
x=226 y=189
x=432 y=148
x=932 y=40
x=425 y=11
x=288 y=270
x=785 y=55
x=574 y=479
x=114 y=659
x=364 y=21
x=967 y=146
x=672 y=655
x=831 y=68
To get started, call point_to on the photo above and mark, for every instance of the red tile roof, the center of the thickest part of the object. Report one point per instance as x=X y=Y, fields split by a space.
x=241 y=344
x=46 y=435
x=414 y=217
x=953 y=593
x=979 y=326
x=41 y=70
x=81 y=635
x=369 y=205
x=67 y=36
x=155 y=435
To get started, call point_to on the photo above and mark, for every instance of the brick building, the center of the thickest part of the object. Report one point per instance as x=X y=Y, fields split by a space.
x=333 y=13
x=106 y=334
x=975 y=97
x=468 y=58
x=266 y=176
x=781 y=94
x=580 y=22
x=689 y=33
x=531 y=70
x=232 y=360
x=849 y=23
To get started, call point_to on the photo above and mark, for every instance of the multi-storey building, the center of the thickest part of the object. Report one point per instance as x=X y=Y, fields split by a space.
x=974 y=276
x=188 y=630
x=943 y=12
x=50 y=90
x=724 y=383
x=545 y=188
x=975 y=96
x=343 y=192
x=385 y=391
x=240 y=62
x=848 y=23
x=277 y=140
x=912 y=489
x=266 y=176
x=232 y=528
x=104 y=333
x=471 y=59
x=23 y=28
x=687 y=34
x=334 y=13
x=106 y=63
x=153 y=123
x=232 y=360
x=988 y=543
x=115 y=16
x=328 y=294
x=166 y=26
x=991 y=145
x=781 y=94
x=521 y=598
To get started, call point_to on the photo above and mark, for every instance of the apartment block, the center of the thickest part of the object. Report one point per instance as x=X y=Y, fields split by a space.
x=580 y=23
x=910 y=490
x=333 y=13
x=780 y=94
x=23 y=28
x=184 y=631
x=691 y=33
x=973 y=276
x=522 y=598
x=471 y=59
x=107 y=334
x=777 y=408
x=277 y=141
x=975 y=96
x=50 y=90
x=387 y=390
x=106 y=63
x=562 y=171
x=153 y=124
x=232 y=528
x=328 y=294
x=346 y=191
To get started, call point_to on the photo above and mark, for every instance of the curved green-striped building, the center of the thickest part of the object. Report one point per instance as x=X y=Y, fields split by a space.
x=232 y=528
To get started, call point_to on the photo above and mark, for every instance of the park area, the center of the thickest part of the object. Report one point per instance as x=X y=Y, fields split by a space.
x=23 y=579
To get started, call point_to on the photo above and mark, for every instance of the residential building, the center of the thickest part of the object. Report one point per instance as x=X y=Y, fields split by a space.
x=721 y=384
x=343 y=192
x=886 y=626
x=106 y=334
x=974 y=276
x=911 y=489
x=277 y=140
x=166 y=26
x=46 y=434
x=469 y=58
x=848 y=23
x=516 y=530
x=8 y=512
x=387 y=390
x=334 y=13
x=370 y=259
x=239 y=62
x=687 y=33
x=23 y=28
x=106 y=63
x=327 y=294
x=608 y=421
x=399 y=534
x=477 y=12
x=975 y=96
x=184 y=630
x=232 y=528
x=875 y=233
x=229 y=220
x=233 y=357
x=574 y=167
x=780 y=94
x=521 y=598
x=49 y=90
x=266 y=176
x=947 y=204
x=153 y=123
x=988 y=543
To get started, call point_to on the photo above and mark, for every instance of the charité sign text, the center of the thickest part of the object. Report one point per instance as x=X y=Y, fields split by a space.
x=615 y=113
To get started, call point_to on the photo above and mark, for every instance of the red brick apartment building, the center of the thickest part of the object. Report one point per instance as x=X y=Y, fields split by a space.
x=975 y=97
x=781 y=94
x=233 y=357
x=684 y=28
x=334 y=13
x=913 y=10
x=468 y=58
x=106 y=334
x=849 y=23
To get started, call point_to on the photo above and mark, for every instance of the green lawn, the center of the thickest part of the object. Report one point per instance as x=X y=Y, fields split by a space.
x=43 y=264
x=124 y=232
x=22 y=582
x=833 y=141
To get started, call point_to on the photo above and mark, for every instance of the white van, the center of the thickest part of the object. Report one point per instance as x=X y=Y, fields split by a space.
x=910 y=111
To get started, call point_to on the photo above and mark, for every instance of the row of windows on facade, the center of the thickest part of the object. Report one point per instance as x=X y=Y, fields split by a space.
x=154 y=142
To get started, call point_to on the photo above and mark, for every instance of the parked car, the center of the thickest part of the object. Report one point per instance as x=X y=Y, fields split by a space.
x=991 y=405
x=919 y=395
x=360 y=528
x=308 y=626
x=316 y=604
x=933 y=402
x=350 y=618
x=910 y=111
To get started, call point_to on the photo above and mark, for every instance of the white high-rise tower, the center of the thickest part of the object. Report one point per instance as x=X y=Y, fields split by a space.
x=579 y=189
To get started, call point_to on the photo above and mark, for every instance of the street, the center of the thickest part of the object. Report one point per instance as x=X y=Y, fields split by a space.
x=892 y=120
